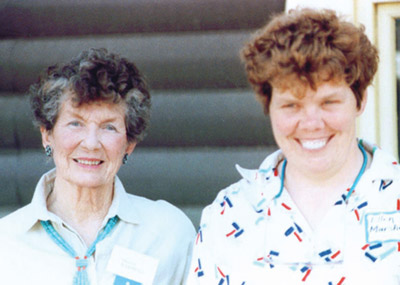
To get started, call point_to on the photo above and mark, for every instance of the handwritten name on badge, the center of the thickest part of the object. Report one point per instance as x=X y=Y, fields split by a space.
x=383 y=227
x=131 y=267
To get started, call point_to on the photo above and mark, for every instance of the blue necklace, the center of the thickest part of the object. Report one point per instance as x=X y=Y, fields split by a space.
x=360 y=173
x=81 y=277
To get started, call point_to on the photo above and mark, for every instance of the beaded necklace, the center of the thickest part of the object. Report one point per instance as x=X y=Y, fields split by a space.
x=81 y=277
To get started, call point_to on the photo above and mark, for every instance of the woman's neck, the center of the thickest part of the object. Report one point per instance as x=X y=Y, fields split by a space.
x=315 y=193
x=339 y=174
x=84 y=209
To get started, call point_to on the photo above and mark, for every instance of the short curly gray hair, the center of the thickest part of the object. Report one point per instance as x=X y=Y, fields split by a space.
x=94 y=75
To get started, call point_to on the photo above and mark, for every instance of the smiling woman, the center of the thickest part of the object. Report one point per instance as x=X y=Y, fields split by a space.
x=316 y=132
x=81 y=226
x=308 y=214
x=88 y=144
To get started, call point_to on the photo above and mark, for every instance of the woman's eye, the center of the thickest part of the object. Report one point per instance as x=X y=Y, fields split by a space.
x=75 y=124
x=110 y=128
x=330 y=102
x=290 y=105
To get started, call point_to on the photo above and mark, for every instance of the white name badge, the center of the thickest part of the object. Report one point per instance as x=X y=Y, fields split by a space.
x=382 y=227
x=132 y=265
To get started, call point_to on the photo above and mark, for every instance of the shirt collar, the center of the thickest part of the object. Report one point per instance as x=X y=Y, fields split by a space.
x=265 y=179
x=121 y=205
x=266 y=168
x=37 y=209
x=384 y=166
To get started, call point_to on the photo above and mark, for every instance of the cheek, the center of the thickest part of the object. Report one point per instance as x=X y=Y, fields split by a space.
x=341 y=122
x=116 y=145
x=66 y=142
x=282 y=124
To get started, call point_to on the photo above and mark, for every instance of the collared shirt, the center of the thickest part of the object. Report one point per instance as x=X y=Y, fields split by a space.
x=153 y=228
x=248 y=235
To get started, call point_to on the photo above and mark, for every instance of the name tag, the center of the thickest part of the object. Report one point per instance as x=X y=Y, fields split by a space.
x=131 y=267
x=382 y=227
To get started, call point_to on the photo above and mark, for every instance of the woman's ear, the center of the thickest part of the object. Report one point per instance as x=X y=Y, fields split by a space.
x=131 y=146
x=363 y=103
x=46 y=136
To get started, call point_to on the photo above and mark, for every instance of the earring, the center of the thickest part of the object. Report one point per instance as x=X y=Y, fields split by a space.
x=48 y=150
x=125 y=159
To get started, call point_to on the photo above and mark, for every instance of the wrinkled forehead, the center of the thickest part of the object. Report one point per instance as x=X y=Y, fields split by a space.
x=70 y=105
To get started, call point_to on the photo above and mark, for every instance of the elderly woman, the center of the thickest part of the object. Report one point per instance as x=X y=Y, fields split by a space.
x=325 y=208
x=81 y=226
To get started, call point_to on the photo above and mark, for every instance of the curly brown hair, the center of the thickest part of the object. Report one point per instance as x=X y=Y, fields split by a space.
x=94 y=75
x=305 y=48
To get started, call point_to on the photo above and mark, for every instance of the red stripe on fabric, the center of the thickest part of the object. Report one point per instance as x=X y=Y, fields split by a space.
x=298 y=237
x=223 y=275
x=365 y=247
x=305 y=276
x=335 y=255
x=357 y=215
x=341 y=281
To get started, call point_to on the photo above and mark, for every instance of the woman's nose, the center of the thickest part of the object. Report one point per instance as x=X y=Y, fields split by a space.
x=91 y=139
x=311 y=118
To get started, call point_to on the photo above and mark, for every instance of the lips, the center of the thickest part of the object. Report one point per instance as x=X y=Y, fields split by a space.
x=89 y=162
x=313 y=144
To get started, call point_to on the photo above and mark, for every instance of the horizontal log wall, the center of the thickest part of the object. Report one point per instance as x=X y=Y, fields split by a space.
x=205 y=118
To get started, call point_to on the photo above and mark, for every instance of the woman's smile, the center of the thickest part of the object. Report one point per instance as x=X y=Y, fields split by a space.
x=313 y=144
x=88 y=161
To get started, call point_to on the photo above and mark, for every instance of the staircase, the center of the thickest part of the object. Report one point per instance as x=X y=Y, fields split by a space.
x=205 y=118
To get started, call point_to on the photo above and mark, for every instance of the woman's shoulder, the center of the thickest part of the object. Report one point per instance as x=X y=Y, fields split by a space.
x=254 y=186
x=17 y=221
x=238 y=199
x=153 y=206
x=160 y=213
x=384 y=165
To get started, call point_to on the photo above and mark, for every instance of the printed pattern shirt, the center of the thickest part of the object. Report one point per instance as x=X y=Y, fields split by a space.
x=153 y=228
x=248 y=236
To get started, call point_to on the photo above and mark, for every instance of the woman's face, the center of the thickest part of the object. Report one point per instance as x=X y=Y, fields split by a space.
x=88 y=143
x=317 y=132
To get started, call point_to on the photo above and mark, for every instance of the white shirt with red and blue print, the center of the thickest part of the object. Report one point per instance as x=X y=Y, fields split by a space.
x=248 y=235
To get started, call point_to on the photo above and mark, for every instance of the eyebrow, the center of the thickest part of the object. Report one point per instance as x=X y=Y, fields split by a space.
x=332 y=92
x=77 y=115
x=328 y=94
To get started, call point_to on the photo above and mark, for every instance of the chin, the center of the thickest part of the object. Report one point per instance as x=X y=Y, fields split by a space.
x=314 y=164
x=89 y=183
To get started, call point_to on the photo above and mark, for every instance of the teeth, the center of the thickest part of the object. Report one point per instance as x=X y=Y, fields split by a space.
x=313 y=144
x=89 y=162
